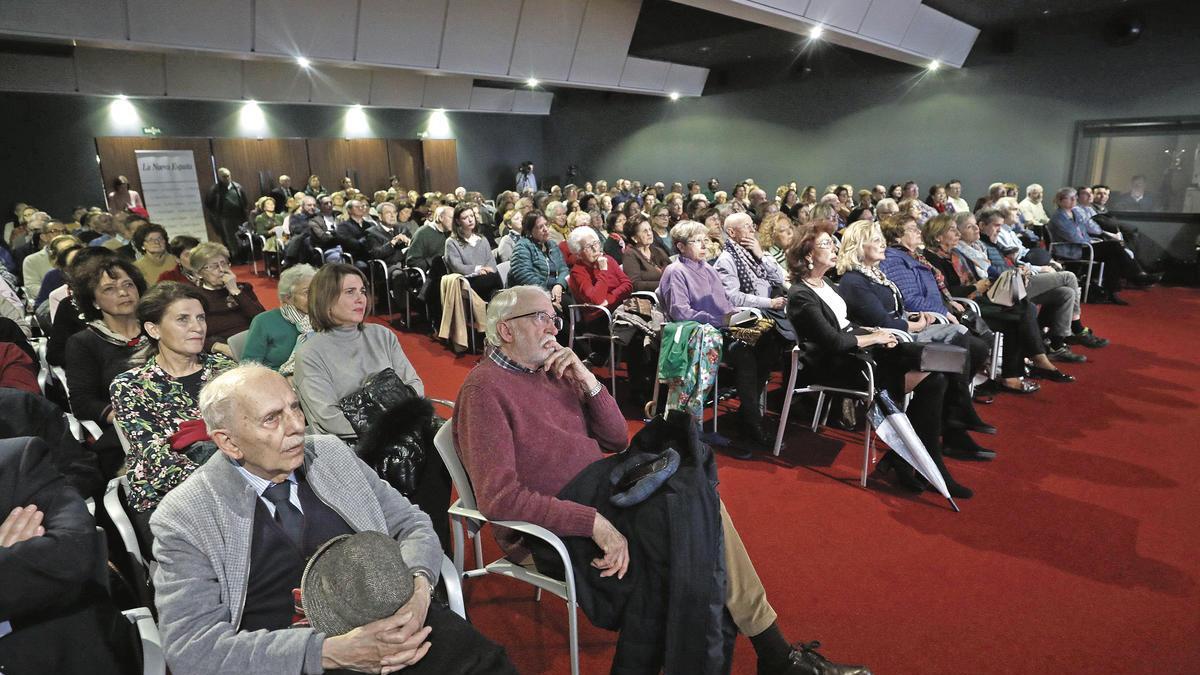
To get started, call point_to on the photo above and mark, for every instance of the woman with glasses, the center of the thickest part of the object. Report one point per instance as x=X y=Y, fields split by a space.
x=230 y=305
x=691 y=290
x=150 y=241
x=107 y=290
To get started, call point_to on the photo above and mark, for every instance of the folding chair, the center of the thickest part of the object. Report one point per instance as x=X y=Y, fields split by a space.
x=1087 y=263
x=467 y=519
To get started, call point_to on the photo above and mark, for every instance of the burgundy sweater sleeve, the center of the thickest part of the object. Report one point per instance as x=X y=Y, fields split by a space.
x=606 y=424
x=486 y=445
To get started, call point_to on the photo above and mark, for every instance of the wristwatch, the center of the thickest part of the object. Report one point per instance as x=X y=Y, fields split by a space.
x=594 y=391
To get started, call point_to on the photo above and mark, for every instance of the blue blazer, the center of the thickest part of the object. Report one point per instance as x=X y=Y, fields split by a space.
x=1071 y=230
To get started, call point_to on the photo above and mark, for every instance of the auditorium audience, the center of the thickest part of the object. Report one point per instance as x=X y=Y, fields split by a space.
x=530 y=418
x=1031 y=207
x=181 y=247
x=155 y=403
x=229 y=305
x=823 y=318
x=122 y=198
x=1073 y=229
x=37 y=264
x=510 y=234
x=59 y=249
x=429 y=243
x=274 y=333
x=643 y=262
x=107 y=290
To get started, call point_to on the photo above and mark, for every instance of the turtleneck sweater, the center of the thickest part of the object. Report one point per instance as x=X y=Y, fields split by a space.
x=333 y=363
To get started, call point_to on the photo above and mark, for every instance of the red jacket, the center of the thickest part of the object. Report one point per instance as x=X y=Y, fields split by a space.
x=597 y=287
x=17 y=370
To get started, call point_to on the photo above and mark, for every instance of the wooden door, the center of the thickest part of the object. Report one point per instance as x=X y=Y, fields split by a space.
x=117 y=158
x=441 y=165
x=404 y=156
x=364 y=160
x=258 y=163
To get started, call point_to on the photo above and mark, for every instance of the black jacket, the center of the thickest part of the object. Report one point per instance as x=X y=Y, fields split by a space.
x=682 y=628
x=27 y=414
x=379 y=245
x=353 y=237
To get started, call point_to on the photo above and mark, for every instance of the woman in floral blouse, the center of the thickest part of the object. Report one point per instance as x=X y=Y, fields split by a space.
x=152 y=400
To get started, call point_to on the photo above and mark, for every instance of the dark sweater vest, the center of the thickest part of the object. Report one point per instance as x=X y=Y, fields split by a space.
x=276 y=563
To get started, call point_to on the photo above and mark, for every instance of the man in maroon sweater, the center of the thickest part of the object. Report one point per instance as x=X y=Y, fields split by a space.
x=531 y=416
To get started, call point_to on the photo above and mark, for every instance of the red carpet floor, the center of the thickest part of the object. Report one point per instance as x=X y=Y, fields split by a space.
x=1079 y=554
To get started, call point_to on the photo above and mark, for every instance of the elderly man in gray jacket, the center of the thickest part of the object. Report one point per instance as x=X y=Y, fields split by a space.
x=232 y=540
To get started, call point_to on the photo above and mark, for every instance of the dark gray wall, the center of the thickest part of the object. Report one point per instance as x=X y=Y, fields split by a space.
x=51 y=155
x=860 y=119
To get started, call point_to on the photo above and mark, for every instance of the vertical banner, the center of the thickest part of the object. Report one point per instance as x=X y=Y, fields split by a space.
x=171 y=191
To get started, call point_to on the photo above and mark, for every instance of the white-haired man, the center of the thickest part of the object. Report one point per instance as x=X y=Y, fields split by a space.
x=1031 y=207
x=531 y=417
x=232 y=541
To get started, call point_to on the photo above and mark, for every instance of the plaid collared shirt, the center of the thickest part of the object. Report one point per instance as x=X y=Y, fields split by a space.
x=498 y=357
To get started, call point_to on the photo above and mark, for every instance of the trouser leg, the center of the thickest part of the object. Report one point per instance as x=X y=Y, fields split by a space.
x=745 y=597
x=1058 y=296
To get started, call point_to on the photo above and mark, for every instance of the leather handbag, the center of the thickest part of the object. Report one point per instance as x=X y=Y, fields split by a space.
x=378 y=393
x=1008 y=289
x=933 y=357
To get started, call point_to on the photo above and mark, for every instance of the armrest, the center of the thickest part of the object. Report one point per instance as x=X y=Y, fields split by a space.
x=901 y=335
x=442 y=401
x=453 y=582
x=969 y=303
x=153 y=660
x=607 y=312
x=647 y=295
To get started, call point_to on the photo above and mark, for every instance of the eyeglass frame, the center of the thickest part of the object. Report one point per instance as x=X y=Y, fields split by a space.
x=556 y=320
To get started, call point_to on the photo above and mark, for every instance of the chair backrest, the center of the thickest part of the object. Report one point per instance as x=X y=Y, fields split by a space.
x=444 y=442
x=502 y=270
x=237 y=344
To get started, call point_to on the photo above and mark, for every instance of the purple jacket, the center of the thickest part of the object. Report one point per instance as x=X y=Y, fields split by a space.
x=691 y=291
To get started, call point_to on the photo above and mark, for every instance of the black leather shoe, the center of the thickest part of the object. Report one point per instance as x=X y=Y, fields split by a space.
x=1050 y=374
x=805 y=660
x=906 y=476
x=1114 y=299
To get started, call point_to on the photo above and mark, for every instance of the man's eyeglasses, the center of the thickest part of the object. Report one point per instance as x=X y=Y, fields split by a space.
x=541 y=318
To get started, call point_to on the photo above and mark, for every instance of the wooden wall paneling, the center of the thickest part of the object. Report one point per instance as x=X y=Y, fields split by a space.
x=329 y=159
x=405 y=159
x=369 y=161
x=117 y=158
x=441 y=165
x=258 y=163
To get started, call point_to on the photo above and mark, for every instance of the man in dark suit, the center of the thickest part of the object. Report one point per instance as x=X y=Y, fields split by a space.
x=55 y=615
x=283 y=193
x=351 y=233
x=227 y=207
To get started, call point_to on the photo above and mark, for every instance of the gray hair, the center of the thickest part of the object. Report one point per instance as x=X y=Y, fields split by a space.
x=219 y=398
x=1006 y=203
x=501 y=306
x=686 y=229
x=740 y=218
x=292 y=276
x=887 y=205
x=578 y=238
x=1063 y=193
x=553 y=208
x=1033 y=187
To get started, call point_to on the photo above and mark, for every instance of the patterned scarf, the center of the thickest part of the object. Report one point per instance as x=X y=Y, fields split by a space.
x=876 y=275
x=304 y=325
x=977 y=256
x=937 y=275
x=747 y=267
x=109 y=335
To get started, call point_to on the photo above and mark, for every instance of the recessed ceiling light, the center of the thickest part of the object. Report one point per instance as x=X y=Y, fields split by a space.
x=674 y=95
x=532 y=82
x=705 y=48
x=816 y=33
x=122 y=97
x=304 y=63
x=934 y=64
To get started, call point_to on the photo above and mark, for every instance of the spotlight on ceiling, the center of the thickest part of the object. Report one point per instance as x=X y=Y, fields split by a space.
x=304 y=63
x=532 y=82
x=934 y=65
x=816 y=32
x=674 y=95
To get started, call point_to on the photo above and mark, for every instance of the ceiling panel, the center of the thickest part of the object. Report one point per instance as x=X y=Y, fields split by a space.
x=34 y=72
x=536 y=102
x=492 y=100
x=70 y=18
x=844 y=14
x=212 y=24
x=399 y=88
x=888 y=20
x=959 y=41
x=447 y=92
x=316 y=30
x=119 y=72
x=203 y=77
x=927 y=32
x=546 y=38
x=275 y=81
x=604 y=41
x=340 y=86
x=484 y=43
x=401 y=32
x=644 y=74
x=687 y=80
x=796 y=7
